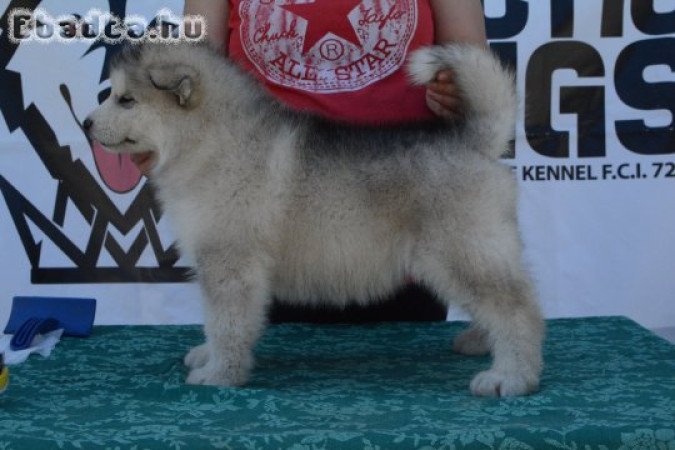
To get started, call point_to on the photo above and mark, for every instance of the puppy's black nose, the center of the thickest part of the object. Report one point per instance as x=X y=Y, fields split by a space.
x=87 y=123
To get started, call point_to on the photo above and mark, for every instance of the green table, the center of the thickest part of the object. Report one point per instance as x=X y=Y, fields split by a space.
x=608 y=384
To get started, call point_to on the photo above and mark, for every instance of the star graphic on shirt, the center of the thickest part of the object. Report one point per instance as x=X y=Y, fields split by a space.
x=319 y=23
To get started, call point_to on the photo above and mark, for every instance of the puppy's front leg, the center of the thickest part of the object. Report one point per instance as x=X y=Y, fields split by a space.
x=235 y=299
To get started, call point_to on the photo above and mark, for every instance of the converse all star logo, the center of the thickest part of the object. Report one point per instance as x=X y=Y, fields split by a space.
x=327 y=46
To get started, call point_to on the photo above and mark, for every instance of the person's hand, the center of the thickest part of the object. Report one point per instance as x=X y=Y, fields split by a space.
x=443 y=97
x=144 y=161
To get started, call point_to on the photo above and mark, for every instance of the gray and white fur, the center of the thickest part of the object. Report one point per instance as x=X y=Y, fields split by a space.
x=270 y=202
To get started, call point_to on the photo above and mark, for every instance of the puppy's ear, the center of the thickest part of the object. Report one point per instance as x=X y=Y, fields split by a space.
x=181 y=80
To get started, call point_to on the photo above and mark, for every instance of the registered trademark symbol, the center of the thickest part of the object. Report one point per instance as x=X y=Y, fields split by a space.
x=332 y=49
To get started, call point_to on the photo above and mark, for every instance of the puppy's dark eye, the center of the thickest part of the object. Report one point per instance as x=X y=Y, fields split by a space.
x=126 y=100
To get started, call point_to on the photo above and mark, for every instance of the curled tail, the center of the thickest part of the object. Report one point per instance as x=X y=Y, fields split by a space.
x=487 y=89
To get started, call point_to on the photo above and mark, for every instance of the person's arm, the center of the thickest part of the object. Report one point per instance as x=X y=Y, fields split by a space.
x=216 y=14
x=459 y=21
x=455 y=21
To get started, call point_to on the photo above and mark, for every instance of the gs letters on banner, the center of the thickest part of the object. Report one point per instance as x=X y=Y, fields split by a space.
x=93 y=195
x=589 y=101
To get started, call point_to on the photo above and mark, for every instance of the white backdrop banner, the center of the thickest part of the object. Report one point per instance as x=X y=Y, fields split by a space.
x=594 y=155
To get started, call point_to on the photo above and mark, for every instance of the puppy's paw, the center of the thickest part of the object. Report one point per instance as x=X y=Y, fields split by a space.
x=472 y=342
x=494 y=383
x=197 y=357
x=210 y=375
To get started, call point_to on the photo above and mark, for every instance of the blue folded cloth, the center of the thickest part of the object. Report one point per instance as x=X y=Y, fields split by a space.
x=38 y=315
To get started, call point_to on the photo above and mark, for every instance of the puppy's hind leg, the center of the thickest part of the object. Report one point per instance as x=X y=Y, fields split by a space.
x=473 y=342
x=497 y=293
x=506 y=309
x=235 y=300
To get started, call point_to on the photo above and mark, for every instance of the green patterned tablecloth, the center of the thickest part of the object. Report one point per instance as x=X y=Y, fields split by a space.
x=608 y=384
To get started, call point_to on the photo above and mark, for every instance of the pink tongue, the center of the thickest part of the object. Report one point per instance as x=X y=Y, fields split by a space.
x=118 y=172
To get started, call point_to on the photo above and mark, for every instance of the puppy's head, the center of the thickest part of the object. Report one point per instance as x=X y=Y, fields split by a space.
x=154 y=89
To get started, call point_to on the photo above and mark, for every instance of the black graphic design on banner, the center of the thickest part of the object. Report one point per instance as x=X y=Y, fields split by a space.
x=78 y=187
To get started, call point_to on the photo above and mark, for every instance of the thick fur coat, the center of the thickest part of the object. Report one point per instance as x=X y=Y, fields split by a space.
x=270 y=202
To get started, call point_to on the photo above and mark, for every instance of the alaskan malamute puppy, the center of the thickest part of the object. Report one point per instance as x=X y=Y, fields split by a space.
x=270 y=202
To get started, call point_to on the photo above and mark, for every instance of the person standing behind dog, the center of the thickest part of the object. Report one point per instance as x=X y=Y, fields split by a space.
x=343 y=59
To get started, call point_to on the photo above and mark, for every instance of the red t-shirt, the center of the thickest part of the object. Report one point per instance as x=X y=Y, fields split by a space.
x=344 y=59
